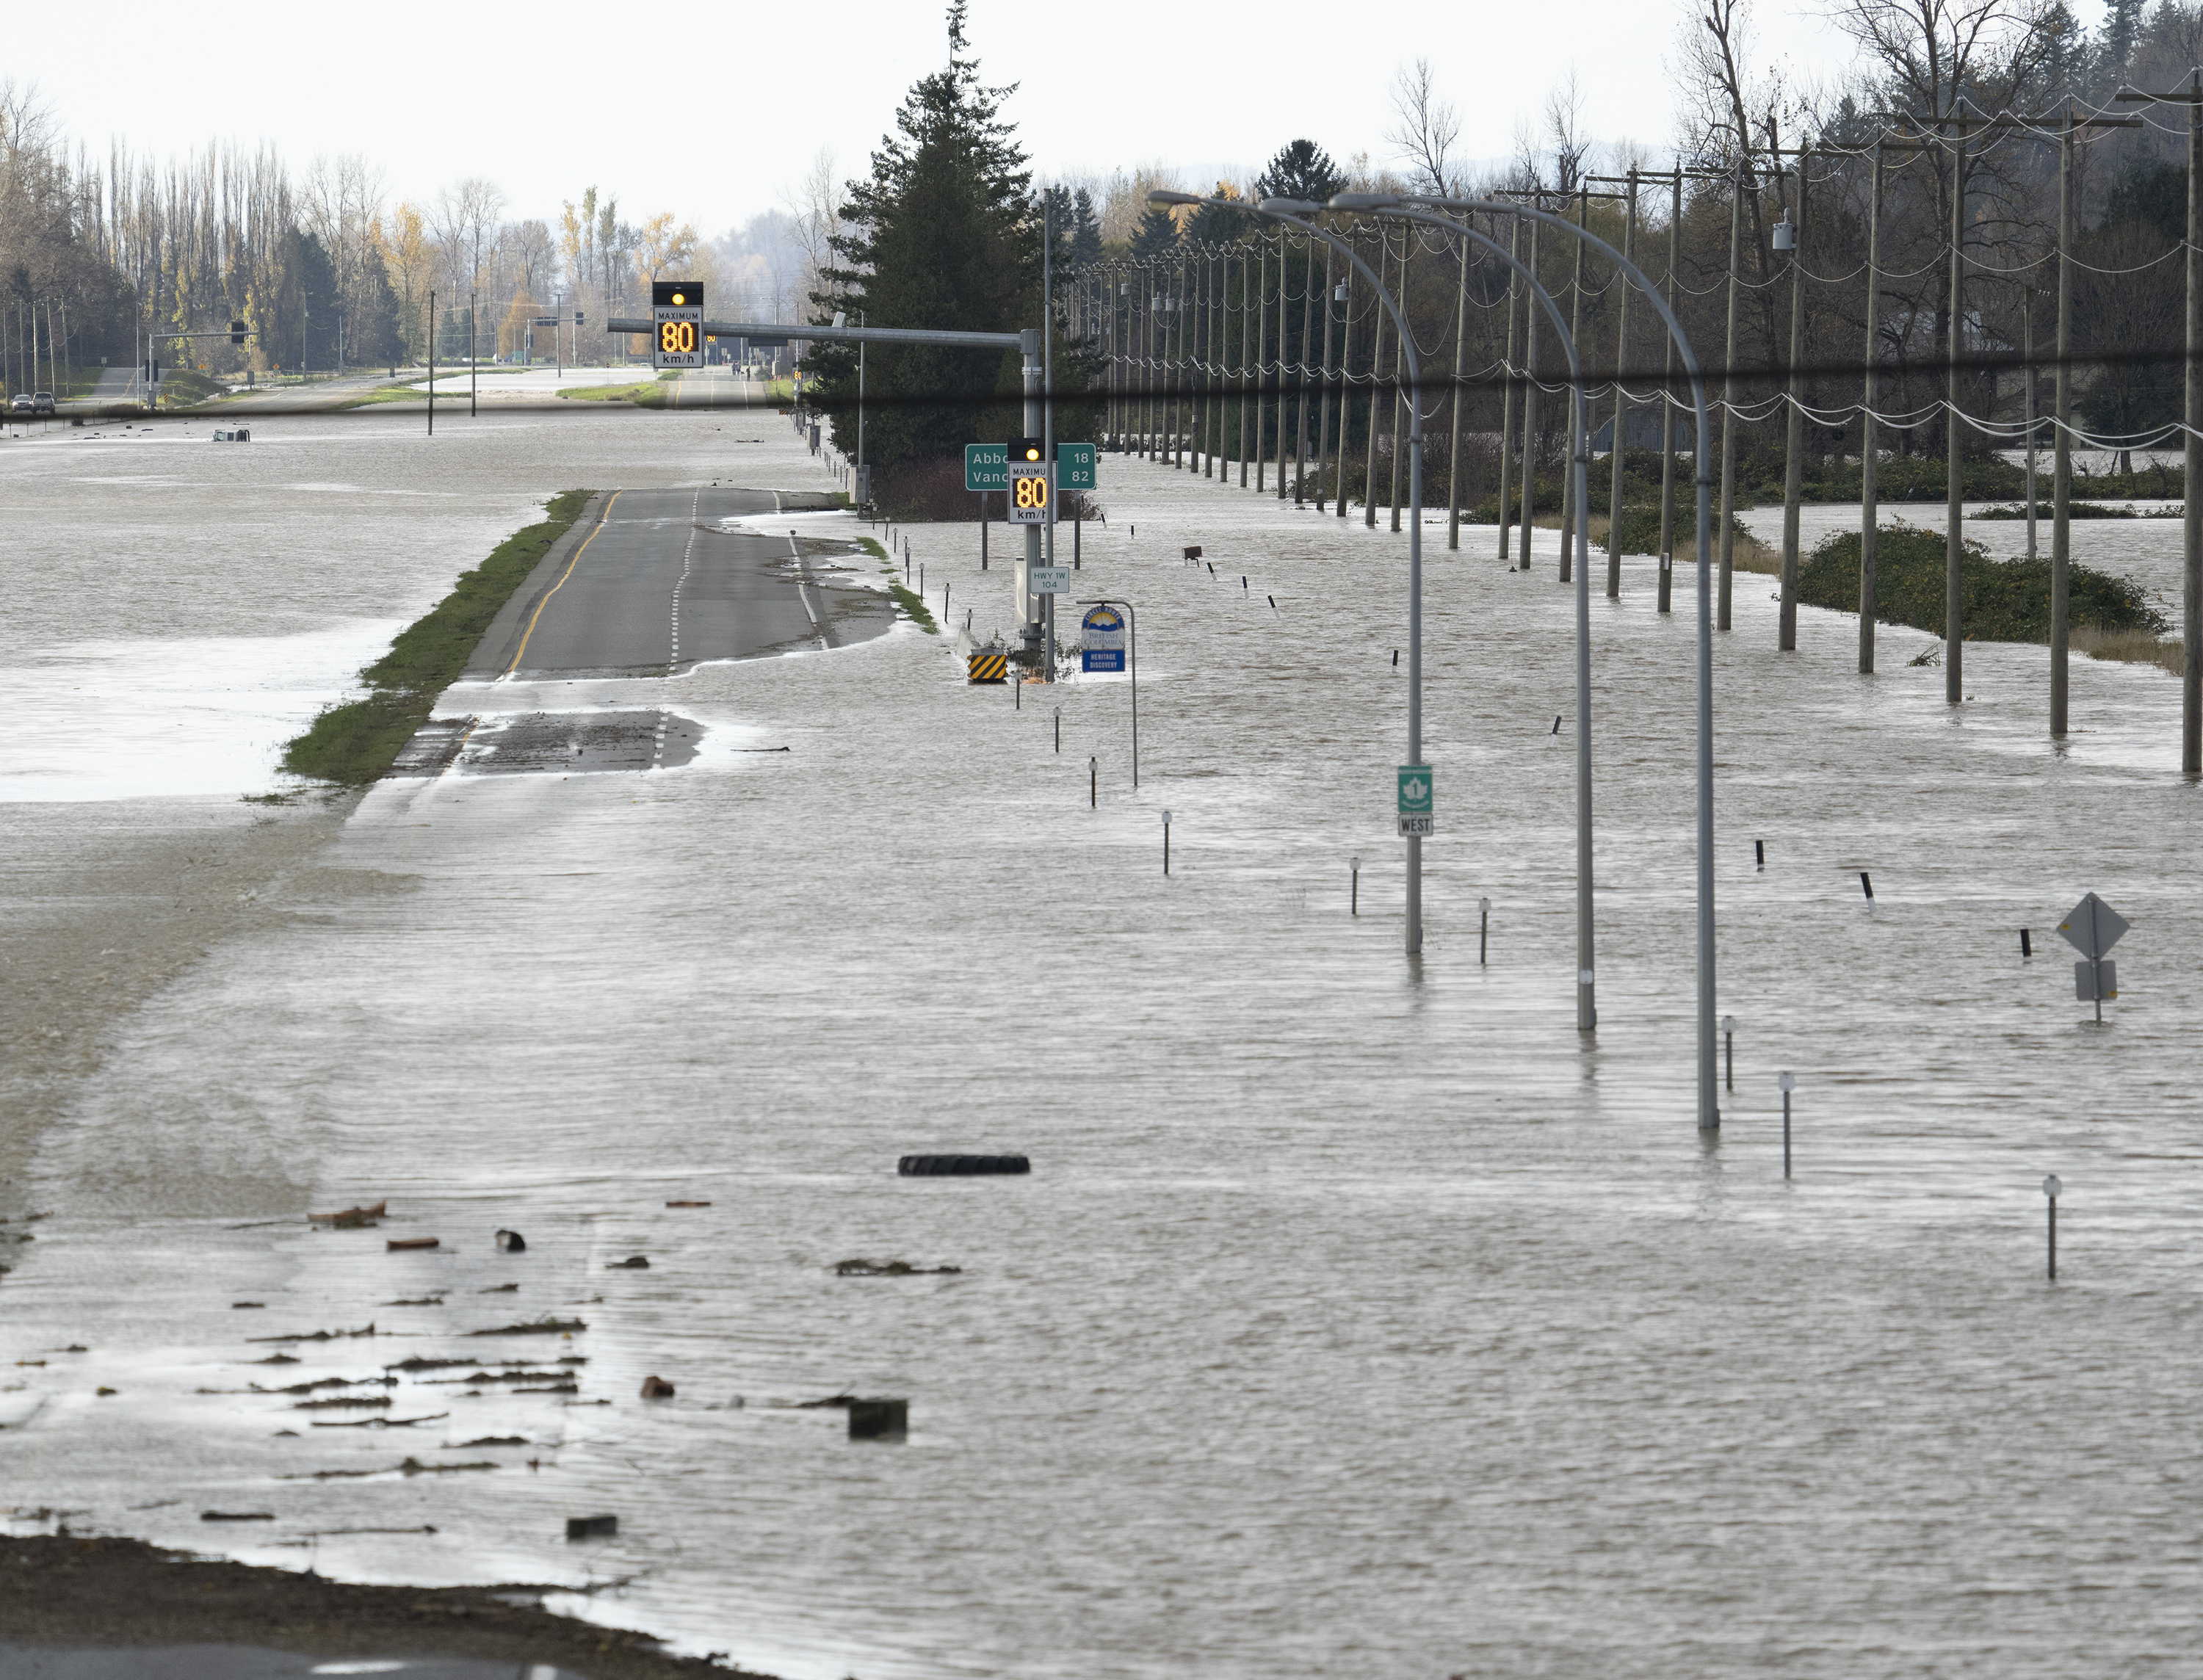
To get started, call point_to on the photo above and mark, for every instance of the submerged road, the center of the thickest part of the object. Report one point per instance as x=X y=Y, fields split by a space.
x=651 y=583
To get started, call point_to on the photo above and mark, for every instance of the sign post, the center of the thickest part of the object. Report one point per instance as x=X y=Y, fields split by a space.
x=2093 y=927
x=1132 y=637
x=676 y=317
x=1415 y=805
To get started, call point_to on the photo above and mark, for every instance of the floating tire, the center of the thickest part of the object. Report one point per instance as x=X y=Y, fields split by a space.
x=960 y=1166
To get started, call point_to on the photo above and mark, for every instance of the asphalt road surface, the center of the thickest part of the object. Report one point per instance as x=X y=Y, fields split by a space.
x=650 y=584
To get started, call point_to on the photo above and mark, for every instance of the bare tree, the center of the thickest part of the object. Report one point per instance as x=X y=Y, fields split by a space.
x=1933 y=53
x=1729 y=106
x=1564 y=130
x=816 y=206
x=1425 y=127
x=531 y=247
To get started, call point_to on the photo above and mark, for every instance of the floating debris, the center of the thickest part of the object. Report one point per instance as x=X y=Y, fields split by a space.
x=316 y=1335
x=237 y=1516
x=892 y=1269
x=534 y=1327
x=688 y=1203
x=321 y=1383
x=500 y=1289
x=398 y=1242
x=495 y=1440
x=424 y=1300
x=591 y=1528
x=657 y=1388
x=381 y=1422
x=512 y=1242
x=351 y=1402
x=351 y=1218
x=633 y=1263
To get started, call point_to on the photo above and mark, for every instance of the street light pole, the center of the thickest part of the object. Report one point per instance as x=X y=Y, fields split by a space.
x=1709 y=1098
x=1580 y=489
x=1292 y=212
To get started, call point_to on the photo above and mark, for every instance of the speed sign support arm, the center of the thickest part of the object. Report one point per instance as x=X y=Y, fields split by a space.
x=787 y=332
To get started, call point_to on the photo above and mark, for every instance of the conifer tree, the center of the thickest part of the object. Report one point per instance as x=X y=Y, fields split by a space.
x=1156 y=235
x=944 y=234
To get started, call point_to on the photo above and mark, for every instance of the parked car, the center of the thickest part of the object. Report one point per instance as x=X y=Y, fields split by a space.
x=20 y=403
x=42 y=402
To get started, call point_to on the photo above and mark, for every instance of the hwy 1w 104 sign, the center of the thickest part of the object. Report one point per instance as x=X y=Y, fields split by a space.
x=1416 y=803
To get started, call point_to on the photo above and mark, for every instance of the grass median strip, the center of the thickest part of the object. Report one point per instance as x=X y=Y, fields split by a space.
x=356 y=742
x=904 y=596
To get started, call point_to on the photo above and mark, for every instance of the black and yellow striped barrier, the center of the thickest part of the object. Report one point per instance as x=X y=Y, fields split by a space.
x=989 y=667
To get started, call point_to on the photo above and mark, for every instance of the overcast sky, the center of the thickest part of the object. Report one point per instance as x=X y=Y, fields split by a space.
x=713 y=111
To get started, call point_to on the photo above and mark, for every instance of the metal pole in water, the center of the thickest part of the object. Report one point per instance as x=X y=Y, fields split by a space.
x=1788 y=1081
x=1093 y=784
x=2051 y=1188
x=1165 y=842
x=1482 y=930
x=1728 y=1042
x=1353 y=904
x=1059 y=728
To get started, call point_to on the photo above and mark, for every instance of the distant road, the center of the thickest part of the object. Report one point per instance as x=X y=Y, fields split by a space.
x=653 y=586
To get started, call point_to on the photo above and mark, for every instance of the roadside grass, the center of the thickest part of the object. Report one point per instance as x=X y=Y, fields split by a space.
x=187 y=387
x=642 y=394
x=905 y=596
x=354 y=743
x=1641 y=534
x=2138 y=647
x=907 y=600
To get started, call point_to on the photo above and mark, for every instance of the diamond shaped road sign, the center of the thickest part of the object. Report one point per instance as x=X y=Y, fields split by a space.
x=2093 y=927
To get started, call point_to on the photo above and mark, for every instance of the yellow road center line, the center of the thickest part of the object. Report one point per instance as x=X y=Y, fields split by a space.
x=602 y=519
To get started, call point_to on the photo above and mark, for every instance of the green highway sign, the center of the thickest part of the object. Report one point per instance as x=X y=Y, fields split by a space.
x=1416 y=800
x=1075 y=465
x=987 y=466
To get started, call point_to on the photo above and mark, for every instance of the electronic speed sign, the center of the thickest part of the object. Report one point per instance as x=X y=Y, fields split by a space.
x=676 y=315
x=1032 y=483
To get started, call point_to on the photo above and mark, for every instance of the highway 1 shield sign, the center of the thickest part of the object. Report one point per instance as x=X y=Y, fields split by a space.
x=1415 y=802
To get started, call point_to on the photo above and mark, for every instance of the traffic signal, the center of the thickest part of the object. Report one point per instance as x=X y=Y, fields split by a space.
x=237 y=332
x=580 y=319
x=1027 y=451
x=677 y=295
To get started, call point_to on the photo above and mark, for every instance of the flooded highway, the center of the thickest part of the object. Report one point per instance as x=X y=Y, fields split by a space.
x=1358 y=1318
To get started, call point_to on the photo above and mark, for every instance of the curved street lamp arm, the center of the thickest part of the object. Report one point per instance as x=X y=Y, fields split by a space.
x=1399 y=316
x=1709 y=1099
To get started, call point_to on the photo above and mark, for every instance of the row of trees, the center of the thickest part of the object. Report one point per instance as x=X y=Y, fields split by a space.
x=324 y=269
x=1749 y=139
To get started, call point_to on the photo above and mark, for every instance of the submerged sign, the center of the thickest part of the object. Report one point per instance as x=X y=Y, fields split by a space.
x=1102 y=639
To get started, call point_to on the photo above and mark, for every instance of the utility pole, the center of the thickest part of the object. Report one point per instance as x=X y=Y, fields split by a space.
x=1048 y=423
x=1728 y=406
x=1506 y=388
x=2191 y=608
x=1794 y=439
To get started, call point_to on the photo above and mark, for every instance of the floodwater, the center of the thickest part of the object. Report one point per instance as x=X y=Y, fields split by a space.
x=1359 y=1317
